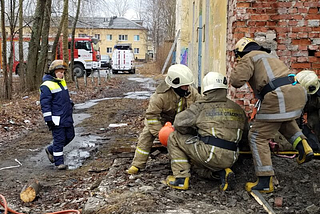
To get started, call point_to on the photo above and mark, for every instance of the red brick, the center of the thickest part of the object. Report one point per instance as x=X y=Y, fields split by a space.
x=302 y=47
x=302 y=59
x=316 y=29
x=284 y=4
x=282 y=47
x=240 y=23
x=303 y=35
x=300 y=65
x=292 y=10
x=292 y=35
x=297 y=17
x=282 y=29
x=279 y=17
x=313 y=59
x=301 y=42
x=315 y=65
x=243 y=4
x=284 y=53
x=313 y=10
x=260 y=17
x=283 y=23
x=311 y=4
x=313 y=35
x=293 y=22
x=271 y=11
x=278 y=201
x=298 y=4
x=302 y=10
x=301 y=29
x=313 y=16
x=271 y=23
x=243 y=29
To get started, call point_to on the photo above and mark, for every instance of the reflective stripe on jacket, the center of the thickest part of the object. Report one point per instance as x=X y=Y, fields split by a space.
x=259 y=68
x=55 y=101
x=164 y=104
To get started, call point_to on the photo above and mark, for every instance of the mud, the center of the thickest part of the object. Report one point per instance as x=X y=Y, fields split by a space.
x=100 y=184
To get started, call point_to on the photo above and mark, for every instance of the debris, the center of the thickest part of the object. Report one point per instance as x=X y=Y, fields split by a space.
x=278 y=201
x=117 y=125
x=30 y=191
x=259 y=198
x=10 y=167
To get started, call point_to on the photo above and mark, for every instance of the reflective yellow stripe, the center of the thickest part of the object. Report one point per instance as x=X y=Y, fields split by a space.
x=179 y=161
x=295 y=143
x=142 y=151
x=54 y=87
x=179 y=106
x=153 y=121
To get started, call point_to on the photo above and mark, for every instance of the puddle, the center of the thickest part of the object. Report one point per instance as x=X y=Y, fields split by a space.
x=83 y=145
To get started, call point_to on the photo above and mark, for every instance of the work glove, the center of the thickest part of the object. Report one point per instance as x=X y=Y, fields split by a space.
x=50 y=124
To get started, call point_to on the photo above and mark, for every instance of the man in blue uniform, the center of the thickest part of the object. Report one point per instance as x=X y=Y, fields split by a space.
x=57 y=108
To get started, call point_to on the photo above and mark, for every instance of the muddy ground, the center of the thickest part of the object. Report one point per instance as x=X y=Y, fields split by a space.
x=101 y=185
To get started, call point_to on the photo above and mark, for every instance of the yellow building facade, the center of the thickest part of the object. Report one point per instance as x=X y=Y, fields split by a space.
x=202 y=41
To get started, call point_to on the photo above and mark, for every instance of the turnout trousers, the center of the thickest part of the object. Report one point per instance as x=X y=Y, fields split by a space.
x=259 y=136
x=188 y=151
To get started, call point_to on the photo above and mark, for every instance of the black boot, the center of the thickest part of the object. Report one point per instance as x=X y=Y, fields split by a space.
x=305 y=152
x=263 y=184
x=227 y=179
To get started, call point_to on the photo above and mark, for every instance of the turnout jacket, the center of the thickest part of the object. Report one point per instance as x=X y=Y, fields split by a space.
x=164 y=104
x=213 y=115
x=259 y=68
x=55 y=101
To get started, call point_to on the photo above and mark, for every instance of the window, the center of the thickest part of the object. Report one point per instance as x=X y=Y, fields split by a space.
x=109 y=37
x=123 y=37
x=82 y=35
x=97 y=36
x=136 y=50
x=109 y=50
x=83 y=45
x=136 y=38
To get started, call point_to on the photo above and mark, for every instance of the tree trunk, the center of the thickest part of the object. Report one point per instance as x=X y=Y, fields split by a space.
x=34 y=47
x=72 y=39
x=65 y=38
x=30 y=191
x=43 y=57
x=21 y=70
x=4 y=53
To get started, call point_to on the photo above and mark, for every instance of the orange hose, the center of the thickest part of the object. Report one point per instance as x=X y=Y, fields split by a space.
x=6 y=208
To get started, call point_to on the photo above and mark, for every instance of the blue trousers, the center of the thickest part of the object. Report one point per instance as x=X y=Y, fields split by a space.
x=62 y=136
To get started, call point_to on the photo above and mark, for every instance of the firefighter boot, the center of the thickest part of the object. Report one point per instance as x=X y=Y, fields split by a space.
x=305 y=152
x=263 y=184
x=227 y=179
x=50 y=156
x=178 y=183
x=133 y=170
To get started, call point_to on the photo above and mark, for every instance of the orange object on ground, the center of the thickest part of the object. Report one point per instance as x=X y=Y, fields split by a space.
x=164 y=133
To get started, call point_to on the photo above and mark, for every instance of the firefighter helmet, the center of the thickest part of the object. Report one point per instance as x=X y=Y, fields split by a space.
x=241 y=45
x=164 y=133
x=57 y=64
x=309 y=80
x=214 y=80
x=179 y=75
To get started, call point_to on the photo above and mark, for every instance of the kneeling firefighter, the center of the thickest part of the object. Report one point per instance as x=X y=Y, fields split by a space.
x=280 y=102
x=57 y=108
x=206 y=136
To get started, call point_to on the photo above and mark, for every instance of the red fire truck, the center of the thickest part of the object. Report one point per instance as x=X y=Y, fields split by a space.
x=86 y=53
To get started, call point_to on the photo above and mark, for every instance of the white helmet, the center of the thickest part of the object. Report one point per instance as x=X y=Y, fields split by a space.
x=179 y=75
x=309 y=80
x=214 y=80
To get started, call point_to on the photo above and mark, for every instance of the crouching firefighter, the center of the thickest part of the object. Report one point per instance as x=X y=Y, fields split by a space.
x=206 y=136
x=280 y=103
x=57 y=108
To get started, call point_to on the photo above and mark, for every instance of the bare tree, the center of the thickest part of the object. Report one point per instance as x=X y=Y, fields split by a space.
x=72 y=38
x=4 y=53
x=34 y=46
x=21 y=69
x=42 y=64
x=65 y=35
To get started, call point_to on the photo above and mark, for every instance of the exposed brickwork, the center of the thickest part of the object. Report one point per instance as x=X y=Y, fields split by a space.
x=290 y=28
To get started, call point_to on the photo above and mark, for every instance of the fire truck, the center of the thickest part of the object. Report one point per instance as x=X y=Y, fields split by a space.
x=15 y=55
x=86 y=53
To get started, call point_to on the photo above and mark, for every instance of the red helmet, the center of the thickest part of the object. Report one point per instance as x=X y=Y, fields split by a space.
x=164 y=133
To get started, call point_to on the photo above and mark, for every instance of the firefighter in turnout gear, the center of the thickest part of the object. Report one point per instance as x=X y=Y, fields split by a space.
x=57 y=108
x=172 y=96
x=280 y=102
x=206 y=136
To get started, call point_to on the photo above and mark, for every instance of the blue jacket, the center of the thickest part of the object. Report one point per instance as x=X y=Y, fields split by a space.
x=55 y=101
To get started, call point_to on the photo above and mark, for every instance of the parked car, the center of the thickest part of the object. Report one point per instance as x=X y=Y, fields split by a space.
x=105 y=61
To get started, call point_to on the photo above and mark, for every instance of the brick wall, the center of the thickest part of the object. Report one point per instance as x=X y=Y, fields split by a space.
x=290 y=28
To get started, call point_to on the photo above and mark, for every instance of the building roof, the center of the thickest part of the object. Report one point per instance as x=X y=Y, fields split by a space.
x=108 y=23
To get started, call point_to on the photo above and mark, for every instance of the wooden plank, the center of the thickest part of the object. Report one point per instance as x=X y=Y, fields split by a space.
x=259 y=198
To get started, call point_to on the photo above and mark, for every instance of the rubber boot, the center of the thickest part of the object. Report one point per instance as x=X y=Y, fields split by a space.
x=263 y=184
x=133 y=170
x=227 y=179
x=50 y=156
x=305 y=152
x=178 y=183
